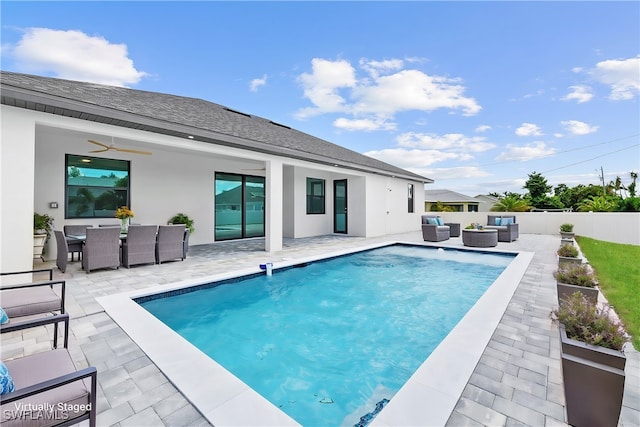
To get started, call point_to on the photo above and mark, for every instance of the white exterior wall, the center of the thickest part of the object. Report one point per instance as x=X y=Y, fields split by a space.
x=178 y=177
x=617 y=227
x=17 y=147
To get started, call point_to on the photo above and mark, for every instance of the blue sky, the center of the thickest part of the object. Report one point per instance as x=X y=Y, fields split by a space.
x=475 y=95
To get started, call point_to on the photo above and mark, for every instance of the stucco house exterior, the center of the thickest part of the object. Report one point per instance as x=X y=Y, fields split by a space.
x=236 y=175
x=457 y=201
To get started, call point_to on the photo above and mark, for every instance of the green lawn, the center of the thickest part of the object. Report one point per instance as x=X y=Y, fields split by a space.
x=617 y=268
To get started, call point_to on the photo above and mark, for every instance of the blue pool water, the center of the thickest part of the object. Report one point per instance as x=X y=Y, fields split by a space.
x=327 y=341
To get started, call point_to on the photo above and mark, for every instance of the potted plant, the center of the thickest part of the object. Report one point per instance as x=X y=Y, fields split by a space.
x=571 y=278
x=566 y=231
x=592 y=362
x=42 y=226
x=181 y=218
x=568 y=254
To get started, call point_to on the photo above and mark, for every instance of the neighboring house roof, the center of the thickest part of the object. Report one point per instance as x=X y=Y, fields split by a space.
x=486 y=198
x=181 y=117
x=447 y=196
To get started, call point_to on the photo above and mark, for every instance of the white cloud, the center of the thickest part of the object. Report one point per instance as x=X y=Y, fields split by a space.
x=375 y=68
x=483 y=128
x=529 y=129
x=363 y=124
x=411 y=159
x=386 y=90
x=452 y=142
x=75 y=55
x=256 y=83
x=579 y=93
x=622 y=75
x=322 y=85
x=461 y=172
x=525 y=152
x=576 y=127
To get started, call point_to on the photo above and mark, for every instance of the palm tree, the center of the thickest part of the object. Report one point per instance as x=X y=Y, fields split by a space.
x=597 y=204
x=511 y=203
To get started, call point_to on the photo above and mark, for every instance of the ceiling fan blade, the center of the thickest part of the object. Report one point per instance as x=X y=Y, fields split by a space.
x=98 y=143
x=127 y=150
x=99 y=151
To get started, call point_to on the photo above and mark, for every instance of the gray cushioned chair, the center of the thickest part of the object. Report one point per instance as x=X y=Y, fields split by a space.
x=170 y=244
x=46 y=380
x=62 y=245
x=506 y=233
x=101 y=248
x=140 y=246
x=35 y=298
x=431 y=231
x=75 y=246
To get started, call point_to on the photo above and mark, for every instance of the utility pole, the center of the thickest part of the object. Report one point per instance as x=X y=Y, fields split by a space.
x=604 y=192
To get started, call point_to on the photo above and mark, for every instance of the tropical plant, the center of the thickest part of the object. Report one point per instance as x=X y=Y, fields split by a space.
x=586 y=322
x=568 y=251
x=181 y=218
x=576 y=274
x=441 y=207
x=566 y=228
x=511 y=203
x=42 y=224
x=597 y=204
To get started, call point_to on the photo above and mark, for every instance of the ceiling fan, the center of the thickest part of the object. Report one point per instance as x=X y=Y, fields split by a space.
x=112 y=146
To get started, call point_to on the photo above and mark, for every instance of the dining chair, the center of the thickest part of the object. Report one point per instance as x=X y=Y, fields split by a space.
x=170 y=244
x=101 y=248
x=140 y=245
x=75 y=246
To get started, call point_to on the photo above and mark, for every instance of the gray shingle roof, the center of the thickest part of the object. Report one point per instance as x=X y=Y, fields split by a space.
x=180 y=116
x=447 y=196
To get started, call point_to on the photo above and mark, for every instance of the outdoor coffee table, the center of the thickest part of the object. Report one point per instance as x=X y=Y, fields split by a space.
x=480 y=238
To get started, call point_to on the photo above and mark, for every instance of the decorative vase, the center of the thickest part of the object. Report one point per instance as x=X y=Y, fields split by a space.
x=124 y=225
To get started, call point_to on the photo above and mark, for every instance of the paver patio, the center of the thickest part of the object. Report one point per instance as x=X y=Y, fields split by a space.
x=517 y=381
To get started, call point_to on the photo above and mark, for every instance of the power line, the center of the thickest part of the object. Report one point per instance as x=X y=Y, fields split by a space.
x=593 y=158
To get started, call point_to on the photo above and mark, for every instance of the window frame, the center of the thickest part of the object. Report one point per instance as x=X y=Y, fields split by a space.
x=411 y=198
x=315 y=200
x=69 y=188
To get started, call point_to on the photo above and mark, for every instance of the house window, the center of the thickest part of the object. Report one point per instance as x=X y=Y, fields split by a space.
x=410 y=197
x=95 y=187
x=315 y=196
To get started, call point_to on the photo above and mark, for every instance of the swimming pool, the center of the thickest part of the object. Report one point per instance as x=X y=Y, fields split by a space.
x=426 y=398
x=328 y=340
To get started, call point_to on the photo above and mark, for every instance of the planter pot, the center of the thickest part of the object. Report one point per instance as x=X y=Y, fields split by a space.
x=566 y=241
x=569 y=260
x=567 y=235
x=38 y=245
x=593 y=379
x=565 y=291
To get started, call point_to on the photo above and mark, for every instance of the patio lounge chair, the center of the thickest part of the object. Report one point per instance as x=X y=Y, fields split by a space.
x=433 y=229
x=33 y=298
x=140 y=246
x=49 y=391
x=170 y=244
x=508 y=230
x=74 y=244
x=101 y=248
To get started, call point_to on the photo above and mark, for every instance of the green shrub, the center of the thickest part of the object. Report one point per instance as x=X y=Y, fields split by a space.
x=566 y=228
x=568 y=250
x=576 y=274
x=588 y=323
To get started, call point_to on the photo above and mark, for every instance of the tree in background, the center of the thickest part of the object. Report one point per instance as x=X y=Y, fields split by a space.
x=511 y=203
x=539 y=191
x=598 y=204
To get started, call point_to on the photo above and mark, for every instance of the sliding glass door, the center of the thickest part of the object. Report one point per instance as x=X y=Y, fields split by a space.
x=239 y=203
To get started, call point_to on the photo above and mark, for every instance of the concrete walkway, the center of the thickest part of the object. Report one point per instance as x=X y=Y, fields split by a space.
x=518 y=380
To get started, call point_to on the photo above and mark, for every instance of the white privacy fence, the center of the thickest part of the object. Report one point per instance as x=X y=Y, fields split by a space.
x=617 y=227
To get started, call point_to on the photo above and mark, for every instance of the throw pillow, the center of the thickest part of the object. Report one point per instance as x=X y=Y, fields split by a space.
x=440 y=221
x=3 y=316
x=507 y=221
x=432 y=221
x=498 y=221
x=6 y=382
